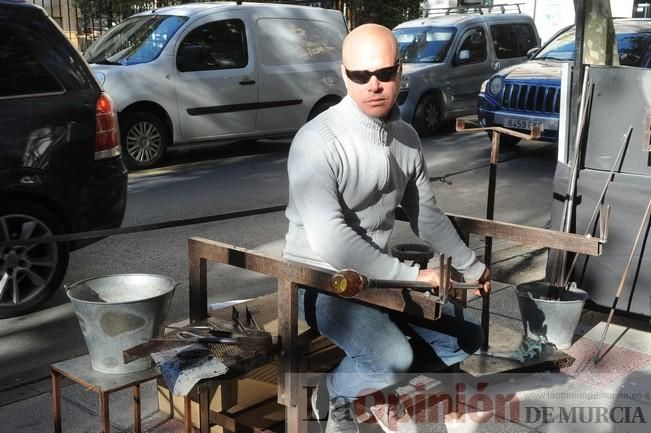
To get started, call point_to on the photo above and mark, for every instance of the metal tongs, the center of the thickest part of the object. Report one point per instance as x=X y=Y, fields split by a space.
x=209 y=334
x=349 y=283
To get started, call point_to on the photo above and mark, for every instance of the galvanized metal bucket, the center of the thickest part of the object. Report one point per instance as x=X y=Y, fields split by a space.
x=550 y=320
x=117 y=312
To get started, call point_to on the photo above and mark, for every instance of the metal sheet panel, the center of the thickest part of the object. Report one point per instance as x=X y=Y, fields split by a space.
x=622 y=97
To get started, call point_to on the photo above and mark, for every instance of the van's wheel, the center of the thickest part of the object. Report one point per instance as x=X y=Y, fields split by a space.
x=321 y=106
x=29 y=274
x=145 y=138
x=505 y=139
x=427 y=117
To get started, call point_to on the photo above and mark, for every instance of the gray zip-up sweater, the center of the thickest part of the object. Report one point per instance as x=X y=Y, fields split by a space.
x=347 y=174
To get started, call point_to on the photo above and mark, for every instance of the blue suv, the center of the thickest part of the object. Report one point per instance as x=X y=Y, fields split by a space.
x=528 y=94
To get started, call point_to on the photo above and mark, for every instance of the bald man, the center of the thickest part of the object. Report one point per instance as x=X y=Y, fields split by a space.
x=349 y=168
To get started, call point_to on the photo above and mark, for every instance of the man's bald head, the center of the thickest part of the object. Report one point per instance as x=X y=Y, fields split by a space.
x=368 y=40
x=371 y=47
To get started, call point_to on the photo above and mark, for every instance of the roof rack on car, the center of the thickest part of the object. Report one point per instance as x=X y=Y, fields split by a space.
x=481 y=10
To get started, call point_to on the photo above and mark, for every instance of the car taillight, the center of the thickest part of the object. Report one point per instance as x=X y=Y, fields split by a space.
x=107 y=137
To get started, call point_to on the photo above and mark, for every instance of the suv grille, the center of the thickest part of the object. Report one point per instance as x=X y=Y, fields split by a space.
x=540 y=99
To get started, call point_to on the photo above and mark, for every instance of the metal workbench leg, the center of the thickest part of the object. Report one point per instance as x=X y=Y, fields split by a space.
x=135 y=390
x=104 y=411
x=204 y=409
x=288 y=367
x=187 y=414
x=56 y=400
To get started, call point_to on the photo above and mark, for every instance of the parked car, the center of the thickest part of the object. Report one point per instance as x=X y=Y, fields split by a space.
x=447 y=57
x=218 y=71
x=527 y=95
x=60 y=165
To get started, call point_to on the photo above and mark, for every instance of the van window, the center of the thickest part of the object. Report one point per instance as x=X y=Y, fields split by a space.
x=473 y=47
x=287 y=41
x=512 y=40
x=424 y=44
x=20 y=72
x=216 y=45
x=138 y=39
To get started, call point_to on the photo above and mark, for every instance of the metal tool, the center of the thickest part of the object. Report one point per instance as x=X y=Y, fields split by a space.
x=349 y=283
x=251 y=320
x=191 y=337
x=235 y=316
x=622 y=281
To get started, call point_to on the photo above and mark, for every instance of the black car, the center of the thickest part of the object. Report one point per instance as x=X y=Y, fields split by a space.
x=529 y=94
x=60 y=165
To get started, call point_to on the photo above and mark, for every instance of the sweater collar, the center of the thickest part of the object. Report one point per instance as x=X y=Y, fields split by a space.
x=369 y=123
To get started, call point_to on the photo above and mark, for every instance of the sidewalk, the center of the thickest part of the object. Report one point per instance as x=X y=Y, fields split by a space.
x=613 y=396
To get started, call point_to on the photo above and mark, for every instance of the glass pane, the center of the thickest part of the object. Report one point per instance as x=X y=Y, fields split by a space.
x=135 y=40
x=506 y=45
x=217 y=45
x=474 y=42
x=633 y=49
x=20 y=72
x=424 y=44
x=561 y=48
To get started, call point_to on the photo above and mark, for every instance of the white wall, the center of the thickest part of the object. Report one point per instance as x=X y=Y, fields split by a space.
x=552 y=15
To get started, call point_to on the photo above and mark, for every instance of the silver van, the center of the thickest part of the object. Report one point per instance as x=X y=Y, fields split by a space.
x=447 y=57
x=222 y=71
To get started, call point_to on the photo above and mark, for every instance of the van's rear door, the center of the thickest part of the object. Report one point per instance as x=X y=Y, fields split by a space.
x=216 y=76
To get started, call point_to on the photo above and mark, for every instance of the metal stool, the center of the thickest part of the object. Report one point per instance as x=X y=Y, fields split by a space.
x=80 y=371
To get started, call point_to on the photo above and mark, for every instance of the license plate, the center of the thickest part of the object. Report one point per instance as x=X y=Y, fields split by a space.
x=522 y=124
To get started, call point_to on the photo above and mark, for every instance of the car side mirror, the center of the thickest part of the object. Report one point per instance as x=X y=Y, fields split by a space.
x=463 y=57
x=190 y=58
x=532 y=52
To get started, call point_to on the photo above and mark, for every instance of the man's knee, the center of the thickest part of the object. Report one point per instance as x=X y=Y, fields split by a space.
x=394 y=358
x=472 y=337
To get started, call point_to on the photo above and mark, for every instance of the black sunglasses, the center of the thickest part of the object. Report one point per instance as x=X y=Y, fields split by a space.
x=385 y=74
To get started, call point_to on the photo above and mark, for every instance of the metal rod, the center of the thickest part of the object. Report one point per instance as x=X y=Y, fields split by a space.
x=558 y=260
x=488 y=246
x=602 y=195
x=419 y=286
x=621 y=283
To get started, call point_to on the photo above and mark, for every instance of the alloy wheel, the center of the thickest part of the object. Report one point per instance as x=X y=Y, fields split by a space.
x=25 y=270
x=144 y=142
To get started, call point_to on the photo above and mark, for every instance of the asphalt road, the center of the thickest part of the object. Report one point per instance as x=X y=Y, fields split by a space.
x=217 y=179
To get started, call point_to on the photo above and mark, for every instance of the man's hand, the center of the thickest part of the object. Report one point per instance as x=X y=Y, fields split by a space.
x=485 y=279
x=430 y=276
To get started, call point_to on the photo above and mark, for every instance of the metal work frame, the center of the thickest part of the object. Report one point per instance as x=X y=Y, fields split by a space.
x=291 y=275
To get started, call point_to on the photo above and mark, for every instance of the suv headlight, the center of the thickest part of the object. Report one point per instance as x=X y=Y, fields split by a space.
x=405 y=80
x=495 y=85
x=482 y=88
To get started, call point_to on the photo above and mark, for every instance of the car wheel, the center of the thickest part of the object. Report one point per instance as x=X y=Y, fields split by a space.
x=322 y=106
x=427 y=117
x=145 y=138
x=29 y=274
x=505 y=139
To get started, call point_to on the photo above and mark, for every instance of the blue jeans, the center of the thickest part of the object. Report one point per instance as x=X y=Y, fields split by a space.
x=376 y=348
